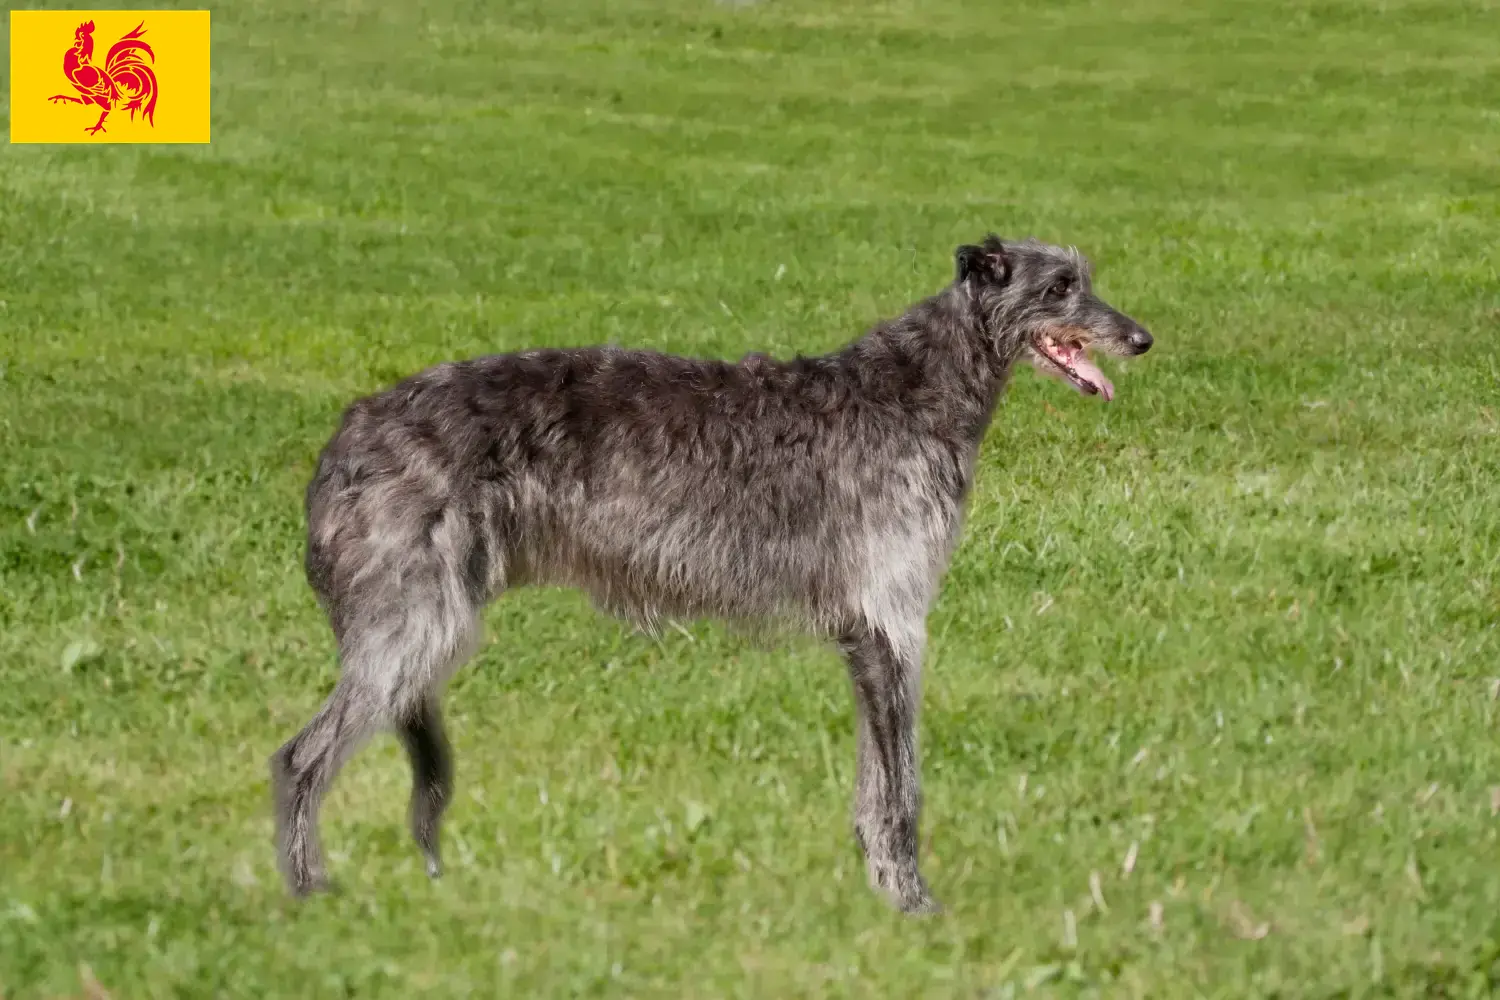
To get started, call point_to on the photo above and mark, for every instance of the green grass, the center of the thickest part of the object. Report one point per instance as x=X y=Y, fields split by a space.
x=1244 y=619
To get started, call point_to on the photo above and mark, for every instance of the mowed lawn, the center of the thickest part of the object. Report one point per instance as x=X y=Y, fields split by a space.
x=1211 y=700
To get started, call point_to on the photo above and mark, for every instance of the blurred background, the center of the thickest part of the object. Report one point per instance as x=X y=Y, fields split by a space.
x=1212 y=689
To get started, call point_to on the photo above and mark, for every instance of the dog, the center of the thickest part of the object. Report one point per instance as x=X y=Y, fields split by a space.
x=822 y=492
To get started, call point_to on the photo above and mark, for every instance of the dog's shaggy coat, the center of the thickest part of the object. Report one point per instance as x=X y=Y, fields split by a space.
x=826 y=492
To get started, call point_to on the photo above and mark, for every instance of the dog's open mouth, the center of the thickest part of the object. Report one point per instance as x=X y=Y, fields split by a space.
x=1071 y=360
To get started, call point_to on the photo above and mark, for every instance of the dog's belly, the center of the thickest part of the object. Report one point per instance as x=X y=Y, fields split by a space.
x=645 y=565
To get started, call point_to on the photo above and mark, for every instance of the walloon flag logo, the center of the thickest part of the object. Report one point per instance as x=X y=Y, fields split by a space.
x=109 y=75
x=125 y=76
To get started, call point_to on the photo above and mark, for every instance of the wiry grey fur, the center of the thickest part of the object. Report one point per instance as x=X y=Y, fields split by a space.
x=827 y=492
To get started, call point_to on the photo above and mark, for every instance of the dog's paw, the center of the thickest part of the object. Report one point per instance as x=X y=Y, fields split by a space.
x=301 y=885
x=921 y=905
x=904 y=887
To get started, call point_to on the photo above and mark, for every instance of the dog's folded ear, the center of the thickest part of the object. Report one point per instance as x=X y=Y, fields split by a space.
x=988 y=263
x=967 y=259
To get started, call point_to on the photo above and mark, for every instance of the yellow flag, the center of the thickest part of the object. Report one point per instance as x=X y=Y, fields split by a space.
x=109 y=76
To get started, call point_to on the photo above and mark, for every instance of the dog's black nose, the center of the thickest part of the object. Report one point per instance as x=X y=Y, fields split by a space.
x=1140 y=340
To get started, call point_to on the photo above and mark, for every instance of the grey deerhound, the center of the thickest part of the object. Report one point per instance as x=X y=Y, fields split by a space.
x=823 y=492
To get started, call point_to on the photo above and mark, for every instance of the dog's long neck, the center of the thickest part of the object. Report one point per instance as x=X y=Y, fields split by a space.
x=942 y=360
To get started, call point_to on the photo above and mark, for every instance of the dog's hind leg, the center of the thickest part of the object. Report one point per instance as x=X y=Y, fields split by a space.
x=885 y=670
x=302 y=770
x=402 y=633
x=421 y=732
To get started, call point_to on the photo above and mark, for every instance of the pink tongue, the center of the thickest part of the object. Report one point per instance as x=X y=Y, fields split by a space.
x=1089 y=372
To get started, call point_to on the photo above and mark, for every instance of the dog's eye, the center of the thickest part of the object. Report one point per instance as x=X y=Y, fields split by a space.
x=1060 y=288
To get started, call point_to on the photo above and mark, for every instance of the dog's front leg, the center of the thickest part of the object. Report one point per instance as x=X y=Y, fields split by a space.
x=887 y=794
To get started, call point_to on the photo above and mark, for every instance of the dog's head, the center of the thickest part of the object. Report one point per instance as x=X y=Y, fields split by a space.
x=1044 y=295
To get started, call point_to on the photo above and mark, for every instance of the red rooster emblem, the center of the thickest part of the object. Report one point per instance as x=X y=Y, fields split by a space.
x=124 y=77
